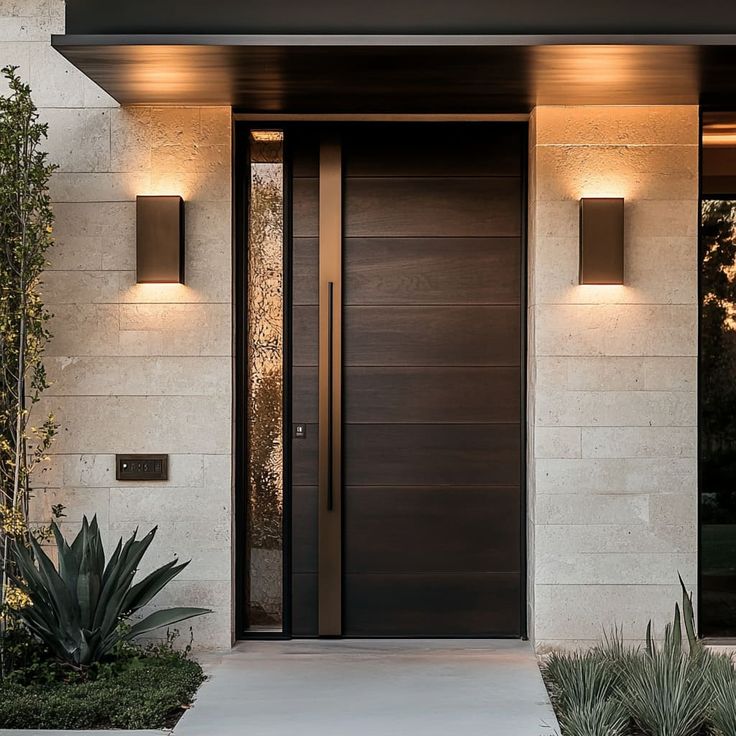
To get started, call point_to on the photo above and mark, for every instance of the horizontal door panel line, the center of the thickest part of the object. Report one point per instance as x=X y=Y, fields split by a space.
x=400 y=238
x=430 y=306
x=438 y=486
x=430 y=366
x=423 y=486
x=430 y=177
x=453 y=306
x=348 y=303
x=426 y=177
x=421 y=237
x=499 y=366
x=443 y=423
x=415 y=305
x=424 y=573
x=431 y=423
x=459 y=574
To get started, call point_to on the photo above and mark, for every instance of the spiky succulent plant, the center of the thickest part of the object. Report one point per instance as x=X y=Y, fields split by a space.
x=78 y=607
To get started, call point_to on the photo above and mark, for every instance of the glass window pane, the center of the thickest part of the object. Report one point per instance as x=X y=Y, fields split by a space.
x=265 y=374
x=718 y=418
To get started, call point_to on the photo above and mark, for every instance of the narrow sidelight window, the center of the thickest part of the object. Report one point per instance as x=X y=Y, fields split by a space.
x=265 y=382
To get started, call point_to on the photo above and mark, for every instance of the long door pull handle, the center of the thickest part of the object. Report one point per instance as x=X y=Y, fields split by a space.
x=330 y=388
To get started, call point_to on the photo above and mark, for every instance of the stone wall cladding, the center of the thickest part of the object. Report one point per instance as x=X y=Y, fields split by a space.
x=136 y=368
x=613 y=374
x=612 y=370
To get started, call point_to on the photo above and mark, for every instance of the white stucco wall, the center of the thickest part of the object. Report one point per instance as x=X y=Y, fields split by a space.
x=612 y=374
x=136 y=368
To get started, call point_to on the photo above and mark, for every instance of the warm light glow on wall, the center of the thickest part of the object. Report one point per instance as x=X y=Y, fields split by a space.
x=596 y=74
x=158 y=294
x=160 y=74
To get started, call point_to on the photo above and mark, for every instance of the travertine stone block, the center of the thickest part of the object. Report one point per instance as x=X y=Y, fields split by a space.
x=182 y=424
x=616 y=442
x=566 y=568
x=160 y=375
x=584 y=508
x=79 y=139
x=616 y=475
x=557 y=442
x=587 y=610
x=616 y=329
x=610 y=125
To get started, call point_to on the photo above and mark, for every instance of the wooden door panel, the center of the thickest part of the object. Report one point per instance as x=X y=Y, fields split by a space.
x=429 y=527
x=420 y=395
x=432 y=336
x=395 y=271
x=432 y=207
x=457 y=604
x=432 y=150
x=431 y=454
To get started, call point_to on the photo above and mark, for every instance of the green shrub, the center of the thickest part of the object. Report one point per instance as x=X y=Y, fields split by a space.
x=139 y=692
x=604 y=718
x=676 y=688
x=584 y=690
x=666 y=694
x=78 y=609
x=722 y=714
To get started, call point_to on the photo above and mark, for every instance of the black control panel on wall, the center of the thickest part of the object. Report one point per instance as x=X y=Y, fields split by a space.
x=141 y=467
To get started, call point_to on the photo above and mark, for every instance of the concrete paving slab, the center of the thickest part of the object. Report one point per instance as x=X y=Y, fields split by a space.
x=373 y=688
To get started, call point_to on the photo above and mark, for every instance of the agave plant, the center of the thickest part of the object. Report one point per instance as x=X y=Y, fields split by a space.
x=78 y=608
x=673 y=631
x=723 y=703
x=666 y=693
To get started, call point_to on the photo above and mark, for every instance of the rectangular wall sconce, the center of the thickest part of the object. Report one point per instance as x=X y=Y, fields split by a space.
x=159 y=240
x=602 y=240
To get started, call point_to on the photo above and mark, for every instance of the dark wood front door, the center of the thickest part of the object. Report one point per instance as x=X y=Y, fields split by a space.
x=431 y=367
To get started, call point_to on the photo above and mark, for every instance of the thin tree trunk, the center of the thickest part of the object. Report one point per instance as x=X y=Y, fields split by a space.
x=20 y=409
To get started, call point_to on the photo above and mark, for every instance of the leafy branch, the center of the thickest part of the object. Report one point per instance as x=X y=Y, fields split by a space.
x=26 y=223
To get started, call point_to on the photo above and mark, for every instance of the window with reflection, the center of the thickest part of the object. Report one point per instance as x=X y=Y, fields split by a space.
x=265 y=377
x=717 y=425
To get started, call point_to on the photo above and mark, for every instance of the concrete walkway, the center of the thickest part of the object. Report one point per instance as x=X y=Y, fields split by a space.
x=373 y=688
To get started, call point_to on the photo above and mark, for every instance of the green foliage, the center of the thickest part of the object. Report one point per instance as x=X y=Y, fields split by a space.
x=78 y=608
x=23 y=653
x=583 y=687
x=26 y=223
x=673 y=631
x=143 y=690
x=666 y=693
x=673 y=688
x=723 y=705
x=601 y=718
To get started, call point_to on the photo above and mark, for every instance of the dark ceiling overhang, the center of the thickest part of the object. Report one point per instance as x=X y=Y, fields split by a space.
x=427 y=74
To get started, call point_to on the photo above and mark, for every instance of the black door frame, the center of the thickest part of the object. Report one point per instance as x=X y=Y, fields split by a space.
x=242 y=124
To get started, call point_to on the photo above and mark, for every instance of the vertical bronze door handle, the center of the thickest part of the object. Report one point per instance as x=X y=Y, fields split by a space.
x=330 y=389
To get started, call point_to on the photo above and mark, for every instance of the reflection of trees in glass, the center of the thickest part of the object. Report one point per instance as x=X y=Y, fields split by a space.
x=718 y=361
x=265 y=391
